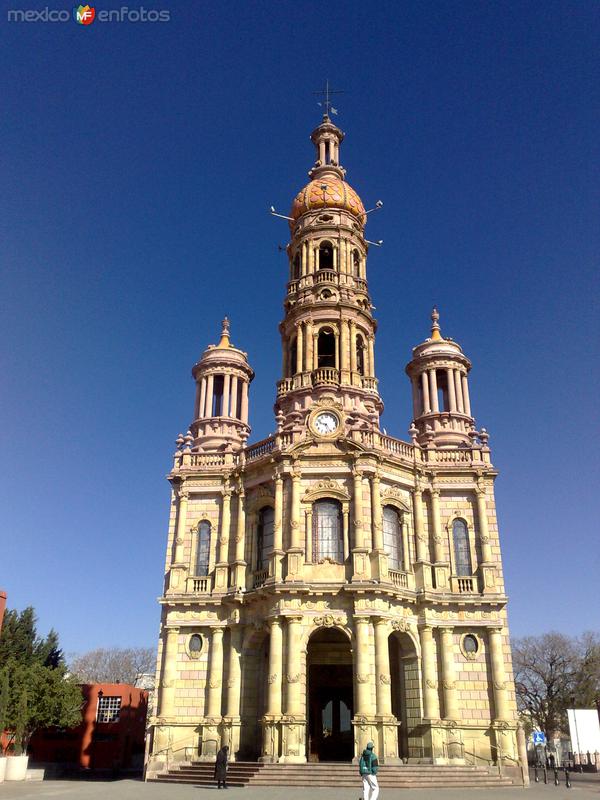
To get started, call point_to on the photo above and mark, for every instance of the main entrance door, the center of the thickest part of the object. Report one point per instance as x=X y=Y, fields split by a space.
x=330 y=697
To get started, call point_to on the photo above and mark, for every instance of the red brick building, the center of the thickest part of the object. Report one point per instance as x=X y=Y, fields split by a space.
x=110 y=736
x=2 y=606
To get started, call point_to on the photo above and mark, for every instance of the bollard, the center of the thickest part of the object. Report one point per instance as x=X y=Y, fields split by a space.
x=567 y=781
x=556 y=776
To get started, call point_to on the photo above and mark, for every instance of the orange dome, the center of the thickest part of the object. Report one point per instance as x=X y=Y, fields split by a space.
x=328 y=192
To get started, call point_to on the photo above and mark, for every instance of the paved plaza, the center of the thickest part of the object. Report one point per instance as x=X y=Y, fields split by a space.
x=585 y=787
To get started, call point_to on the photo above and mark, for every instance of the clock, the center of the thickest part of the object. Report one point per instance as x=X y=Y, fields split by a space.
x=325 y=423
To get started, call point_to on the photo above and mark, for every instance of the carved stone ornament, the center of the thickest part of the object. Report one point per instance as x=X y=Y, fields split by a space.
x=499 y=685
x=326 y=486
x=272 y=678
x=449 y=685
x=396 y=495
x=328 y=620
x=431 y=683
x=363 y=678
x=385 y=679
x=214 y=683
x=401 y=625
x=293 y=678
x=231 y=682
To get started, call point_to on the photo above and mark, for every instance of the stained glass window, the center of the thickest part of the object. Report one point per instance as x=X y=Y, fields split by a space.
x=462 y=550
x=203 y=549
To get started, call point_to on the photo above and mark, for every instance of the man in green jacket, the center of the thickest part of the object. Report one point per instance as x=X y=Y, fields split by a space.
x=368 y=766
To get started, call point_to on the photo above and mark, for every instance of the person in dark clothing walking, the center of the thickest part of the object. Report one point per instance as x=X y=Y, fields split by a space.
x=221 y=767
x=368 y=766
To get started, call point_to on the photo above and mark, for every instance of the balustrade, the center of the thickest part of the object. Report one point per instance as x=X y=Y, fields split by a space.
x=259 y=577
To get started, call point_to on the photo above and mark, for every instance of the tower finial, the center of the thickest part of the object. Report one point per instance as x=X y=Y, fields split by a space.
x=435 y=326
x=225 y=334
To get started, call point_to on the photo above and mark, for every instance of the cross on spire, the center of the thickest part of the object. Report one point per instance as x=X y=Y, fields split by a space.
x=326 y=94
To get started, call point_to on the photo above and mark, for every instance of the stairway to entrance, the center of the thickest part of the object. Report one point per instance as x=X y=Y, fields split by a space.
x=407 y=776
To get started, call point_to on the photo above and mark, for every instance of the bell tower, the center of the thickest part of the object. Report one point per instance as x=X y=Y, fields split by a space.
x=328 y=332
x=440 y=391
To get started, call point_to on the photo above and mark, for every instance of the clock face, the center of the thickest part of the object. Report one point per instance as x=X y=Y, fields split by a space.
x=326 y=423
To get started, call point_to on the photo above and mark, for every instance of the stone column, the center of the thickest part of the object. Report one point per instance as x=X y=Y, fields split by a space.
x=377 y=512
x=405 y=549
x=222 y=566
x=345 y=526
x=337 y=349
x=498 y=675
x=372 y=356
x=419 y=526
x=209 y=396
x=433 y=391
x=458 y=387
x=359 y=533
x=425 y=387
x=431 y=700
x=233 y=408
x=466 y=398
x=294 y=560
x=181 y=519
x=294 y=667
x=362 y=627
x=239 y=581
x=215 y=673
x=275 y=667
x=308 y=535
x=352 y=346
x=166 y=703
x=345 y=346
x=235 y=672
x=382 y=668
x=451 y=391
x=244 y=415
x=226 y=395
x=436 y=525
x=417 y=411
x=484 y=534
x=299 y=346
x=448 y=675
x=309 y=347
x=202 y=397
x=276 y=570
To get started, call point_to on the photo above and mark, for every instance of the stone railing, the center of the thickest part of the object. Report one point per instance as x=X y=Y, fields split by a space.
x=259 y=577
x=199 y=585
x=260 y=448
x=326 y=376
x=398 y=579
x=207 y=460
x=326 y=276
x=464 y=585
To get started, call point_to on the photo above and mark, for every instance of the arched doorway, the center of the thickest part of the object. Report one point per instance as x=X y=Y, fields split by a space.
x=330 y=696
x=406 y=705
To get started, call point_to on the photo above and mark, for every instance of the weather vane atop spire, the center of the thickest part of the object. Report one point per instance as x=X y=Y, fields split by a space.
x=326 y=94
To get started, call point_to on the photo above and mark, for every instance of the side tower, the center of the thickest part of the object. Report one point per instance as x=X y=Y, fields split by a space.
x=331 y=585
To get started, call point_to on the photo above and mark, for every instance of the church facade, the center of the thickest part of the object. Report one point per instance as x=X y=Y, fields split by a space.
x=331 y=585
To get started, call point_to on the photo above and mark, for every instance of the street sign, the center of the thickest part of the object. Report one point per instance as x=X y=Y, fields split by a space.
x=539 y=737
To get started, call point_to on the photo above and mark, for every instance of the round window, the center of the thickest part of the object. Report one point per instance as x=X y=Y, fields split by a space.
x=195 y=645
x=470 y=644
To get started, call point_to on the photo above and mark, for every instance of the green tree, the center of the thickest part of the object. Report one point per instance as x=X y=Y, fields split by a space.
x=35 y=689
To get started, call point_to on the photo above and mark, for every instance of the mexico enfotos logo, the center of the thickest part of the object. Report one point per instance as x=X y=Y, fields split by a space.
x=85 y=15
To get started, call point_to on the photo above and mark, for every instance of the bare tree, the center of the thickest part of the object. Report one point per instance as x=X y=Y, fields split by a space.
x=554 y=672
x=115 y=665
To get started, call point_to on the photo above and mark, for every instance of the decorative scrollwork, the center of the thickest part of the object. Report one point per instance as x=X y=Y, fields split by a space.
x=292 y=678
x=363 y=678
x=431 y=683
x=385 y=679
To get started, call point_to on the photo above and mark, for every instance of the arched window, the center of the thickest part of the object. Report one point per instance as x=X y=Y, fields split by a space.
x=203 y=548
x=327 y=531
x=326 y=348
x=293 y=358
x=356 y=263
x=360 y=354
x=325 y=255
x=296 y=267
x=392 y=537
x=264 y=536
x=462 y=550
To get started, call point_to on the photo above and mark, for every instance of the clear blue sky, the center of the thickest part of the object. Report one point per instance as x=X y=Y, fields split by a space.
x=138 y=164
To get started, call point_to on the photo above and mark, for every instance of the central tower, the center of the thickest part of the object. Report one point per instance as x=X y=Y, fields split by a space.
x=328 y=332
